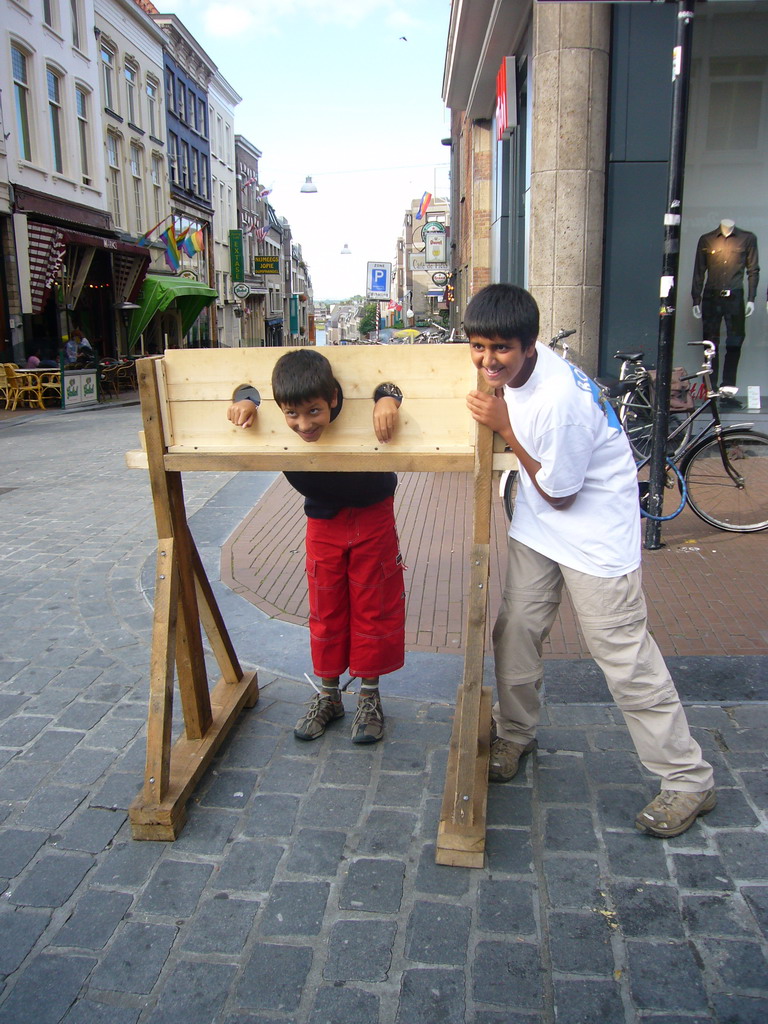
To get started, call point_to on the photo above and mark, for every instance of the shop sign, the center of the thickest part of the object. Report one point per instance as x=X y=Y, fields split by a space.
x=506 y=98
x=266 y=264
x=434 y=239
x=240 y=290
x=417 y=261
x=236 y=261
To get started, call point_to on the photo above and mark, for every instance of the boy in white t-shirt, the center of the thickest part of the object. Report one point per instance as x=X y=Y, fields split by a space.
x=576 y=522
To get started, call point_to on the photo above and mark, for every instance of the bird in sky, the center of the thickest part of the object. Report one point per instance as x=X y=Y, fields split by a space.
x=403 y=39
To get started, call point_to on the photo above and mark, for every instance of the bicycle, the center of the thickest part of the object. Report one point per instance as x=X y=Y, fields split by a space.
x=722 y=472
x=632 y=398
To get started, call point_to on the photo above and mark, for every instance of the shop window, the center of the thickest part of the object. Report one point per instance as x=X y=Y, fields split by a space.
x=19 y=63
x=736 y=91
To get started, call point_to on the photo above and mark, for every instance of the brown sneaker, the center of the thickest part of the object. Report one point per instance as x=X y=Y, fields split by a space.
x=672 y=812
x=322 y=710
x=505 y=757
x=368 y=724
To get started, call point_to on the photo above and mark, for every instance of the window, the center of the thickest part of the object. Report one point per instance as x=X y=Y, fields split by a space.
x=194 y=171
x=83 y=132
x=181 y=108
x=21 y=95
x=76 y=23
x=108 y=72
x=735 y=103
x=131 y=83
x=156 y=173
x=113 y=175
x=48 y=13
x=204 y=176
x=211 y=123
x=152 y=114
x=173 y=155
x=201 y=127
x=227 y=154
x=138 y=187
x=170 y=90
x=184 y=168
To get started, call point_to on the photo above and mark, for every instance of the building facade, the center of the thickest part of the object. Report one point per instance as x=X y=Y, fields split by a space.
x=65 y=262
x=560 y=134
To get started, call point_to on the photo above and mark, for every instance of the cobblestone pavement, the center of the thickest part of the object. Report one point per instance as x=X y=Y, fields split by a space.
x=303 y=888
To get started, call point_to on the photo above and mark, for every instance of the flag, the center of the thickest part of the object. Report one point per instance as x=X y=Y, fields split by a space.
x=251 y=181
x=264 y=192
x=198 y=240
x=146 y=238
x=187 y=244
x=168 y=238
x=262 y=232
x=426 y=199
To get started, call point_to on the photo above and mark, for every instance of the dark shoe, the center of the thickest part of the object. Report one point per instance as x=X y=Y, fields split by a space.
x=368 y=725
x=505 y=757
x=322 y=710
x=672 y=812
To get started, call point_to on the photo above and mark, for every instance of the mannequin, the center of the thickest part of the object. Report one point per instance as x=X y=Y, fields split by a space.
x=723 y=257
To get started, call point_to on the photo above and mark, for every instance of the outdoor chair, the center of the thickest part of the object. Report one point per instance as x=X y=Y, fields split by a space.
x=5 y=388
x=50 y=384
x=126 y=375
x=110 y=384
x=24 y=388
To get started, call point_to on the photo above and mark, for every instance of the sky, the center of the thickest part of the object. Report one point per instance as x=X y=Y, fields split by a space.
x=331 y=90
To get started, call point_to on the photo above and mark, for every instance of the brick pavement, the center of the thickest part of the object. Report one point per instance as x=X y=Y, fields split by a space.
x=707 y=590
x=303 y=888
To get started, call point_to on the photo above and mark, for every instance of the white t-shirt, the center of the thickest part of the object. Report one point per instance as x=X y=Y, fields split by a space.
x=558 y=419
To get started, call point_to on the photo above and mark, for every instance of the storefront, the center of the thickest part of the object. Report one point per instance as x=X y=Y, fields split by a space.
x=168 y=309
x=72 y=277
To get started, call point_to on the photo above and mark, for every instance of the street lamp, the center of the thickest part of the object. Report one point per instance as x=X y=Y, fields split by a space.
x=308 y=186
x=346 y=251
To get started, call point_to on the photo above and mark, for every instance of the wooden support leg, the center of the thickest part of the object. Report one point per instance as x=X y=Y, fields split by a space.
x=461 y=833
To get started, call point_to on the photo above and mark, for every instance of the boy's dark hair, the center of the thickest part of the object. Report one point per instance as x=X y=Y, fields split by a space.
x=503 y=311
x=301 y=375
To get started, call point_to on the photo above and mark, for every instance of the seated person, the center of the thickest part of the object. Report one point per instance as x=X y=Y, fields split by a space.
x=354 y=565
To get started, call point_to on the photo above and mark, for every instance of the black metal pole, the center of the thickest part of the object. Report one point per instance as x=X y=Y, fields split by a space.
x=681 y=67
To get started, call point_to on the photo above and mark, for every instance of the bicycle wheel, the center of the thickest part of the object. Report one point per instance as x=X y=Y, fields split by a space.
x=510 y=490
x=636 y=417
x=737 y=503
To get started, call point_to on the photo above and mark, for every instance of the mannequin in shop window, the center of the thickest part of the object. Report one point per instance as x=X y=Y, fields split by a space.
x=723 y=257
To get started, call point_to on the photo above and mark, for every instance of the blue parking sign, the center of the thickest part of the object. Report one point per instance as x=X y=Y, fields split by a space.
x=379 y=282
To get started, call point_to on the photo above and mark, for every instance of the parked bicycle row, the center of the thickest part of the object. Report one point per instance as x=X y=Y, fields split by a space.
x=720 y=471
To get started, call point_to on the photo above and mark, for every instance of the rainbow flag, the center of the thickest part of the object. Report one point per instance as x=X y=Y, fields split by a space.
x=426 y=199
x=172 y=257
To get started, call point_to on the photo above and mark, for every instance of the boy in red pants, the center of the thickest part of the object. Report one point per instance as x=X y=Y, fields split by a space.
x=354 y=566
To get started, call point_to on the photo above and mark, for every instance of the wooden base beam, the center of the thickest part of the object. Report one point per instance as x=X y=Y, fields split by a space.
x=189 y=762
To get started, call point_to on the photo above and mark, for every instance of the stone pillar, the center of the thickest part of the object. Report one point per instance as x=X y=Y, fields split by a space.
x=570 y=104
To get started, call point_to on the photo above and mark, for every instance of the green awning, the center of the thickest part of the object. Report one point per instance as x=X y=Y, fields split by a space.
x=158 y=292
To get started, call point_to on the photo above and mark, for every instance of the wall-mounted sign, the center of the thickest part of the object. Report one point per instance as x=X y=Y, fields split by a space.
x=236 y=261
x=416 y=261
x=434 y=240
x=240 y=290
x=266 y=264
x=506 y=97
x=440 y=277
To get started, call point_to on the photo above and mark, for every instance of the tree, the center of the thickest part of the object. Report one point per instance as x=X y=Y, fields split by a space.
x=367 y=320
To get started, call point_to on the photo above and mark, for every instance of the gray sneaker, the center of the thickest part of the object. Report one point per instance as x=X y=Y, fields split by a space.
x=672 y=812
x=322 y=710
x=368 y=724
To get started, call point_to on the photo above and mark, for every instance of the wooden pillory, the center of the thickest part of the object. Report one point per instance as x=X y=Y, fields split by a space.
x=184 y=400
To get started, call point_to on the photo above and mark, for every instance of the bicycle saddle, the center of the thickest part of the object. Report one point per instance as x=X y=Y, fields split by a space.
x=633 y=357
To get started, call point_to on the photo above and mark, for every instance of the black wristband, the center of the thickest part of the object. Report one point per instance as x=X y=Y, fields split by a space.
x=388 y=390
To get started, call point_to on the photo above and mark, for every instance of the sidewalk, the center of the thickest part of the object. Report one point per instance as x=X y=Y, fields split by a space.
x=303 y=888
